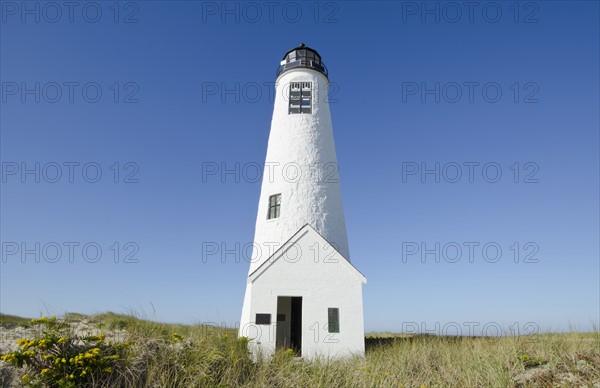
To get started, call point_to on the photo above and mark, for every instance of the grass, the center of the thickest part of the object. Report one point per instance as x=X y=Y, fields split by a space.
x=206 y=356
x=6 y=320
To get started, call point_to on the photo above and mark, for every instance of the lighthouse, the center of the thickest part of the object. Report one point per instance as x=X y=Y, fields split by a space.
x=302 y=292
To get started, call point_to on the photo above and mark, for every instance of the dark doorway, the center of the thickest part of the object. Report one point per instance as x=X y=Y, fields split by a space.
x=289 y=323
x=296 y=329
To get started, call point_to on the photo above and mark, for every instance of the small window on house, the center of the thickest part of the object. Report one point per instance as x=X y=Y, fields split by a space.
x=274 y=206
x=263 y=319
x=300 y=100
x=333 y=320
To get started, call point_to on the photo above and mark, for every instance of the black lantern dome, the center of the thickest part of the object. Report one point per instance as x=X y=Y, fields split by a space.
x=302 y=57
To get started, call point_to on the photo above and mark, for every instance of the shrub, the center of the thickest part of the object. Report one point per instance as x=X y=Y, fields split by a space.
x=531 y=362
x=60 y=358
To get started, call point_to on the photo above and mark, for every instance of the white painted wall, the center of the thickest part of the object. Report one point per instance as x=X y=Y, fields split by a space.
x=308 y=267
x=299 y=141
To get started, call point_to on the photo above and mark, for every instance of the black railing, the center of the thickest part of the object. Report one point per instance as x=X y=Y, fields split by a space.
x=306 y=63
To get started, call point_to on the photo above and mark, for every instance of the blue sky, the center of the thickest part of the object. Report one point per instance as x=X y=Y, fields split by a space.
x=187 y=83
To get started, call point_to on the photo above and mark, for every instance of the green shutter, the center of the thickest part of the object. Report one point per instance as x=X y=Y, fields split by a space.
x=333 y=317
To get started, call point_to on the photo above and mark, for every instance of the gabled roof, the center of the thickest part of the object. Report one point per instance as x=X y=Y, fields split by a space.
x=306 y=229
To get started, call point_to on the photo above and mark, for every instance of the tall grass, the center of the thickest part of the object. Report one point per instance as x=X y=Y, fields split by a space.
x=9 y=320
x=169 y=355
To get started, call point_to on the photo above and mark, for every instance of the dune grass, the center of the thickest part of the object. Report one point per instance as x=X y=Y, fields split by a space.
x=6 y=319
x=205 y=356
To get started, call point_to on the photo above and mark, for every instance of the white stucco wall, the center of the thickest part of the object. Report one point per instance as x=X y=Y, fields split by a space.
x=307 y=267
x=301 y=164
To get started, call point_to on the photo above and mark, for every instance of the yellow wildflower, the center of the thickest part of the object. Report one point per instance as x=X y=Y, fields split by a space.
x=8 y=357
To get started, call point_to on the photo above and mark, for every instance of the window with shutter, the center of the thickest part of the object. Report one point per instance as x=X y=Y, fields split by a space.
x=333 y=318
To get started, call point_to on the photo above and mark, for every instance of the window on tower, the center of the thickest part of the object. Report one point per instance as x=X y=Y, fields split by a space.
x=274 y=206
x=300 y=100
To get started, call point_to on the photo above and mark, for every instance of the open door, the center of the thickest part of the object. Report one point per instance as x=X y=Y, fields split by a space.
x=289 y=323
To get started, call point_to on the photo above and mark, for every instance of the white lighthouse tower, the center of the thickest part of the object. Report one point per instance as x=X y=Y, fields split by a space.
x=302 y=292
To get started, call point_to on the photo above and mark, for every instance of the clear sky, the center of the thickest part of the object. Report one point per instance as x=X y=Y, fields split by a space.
x=150 y=93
